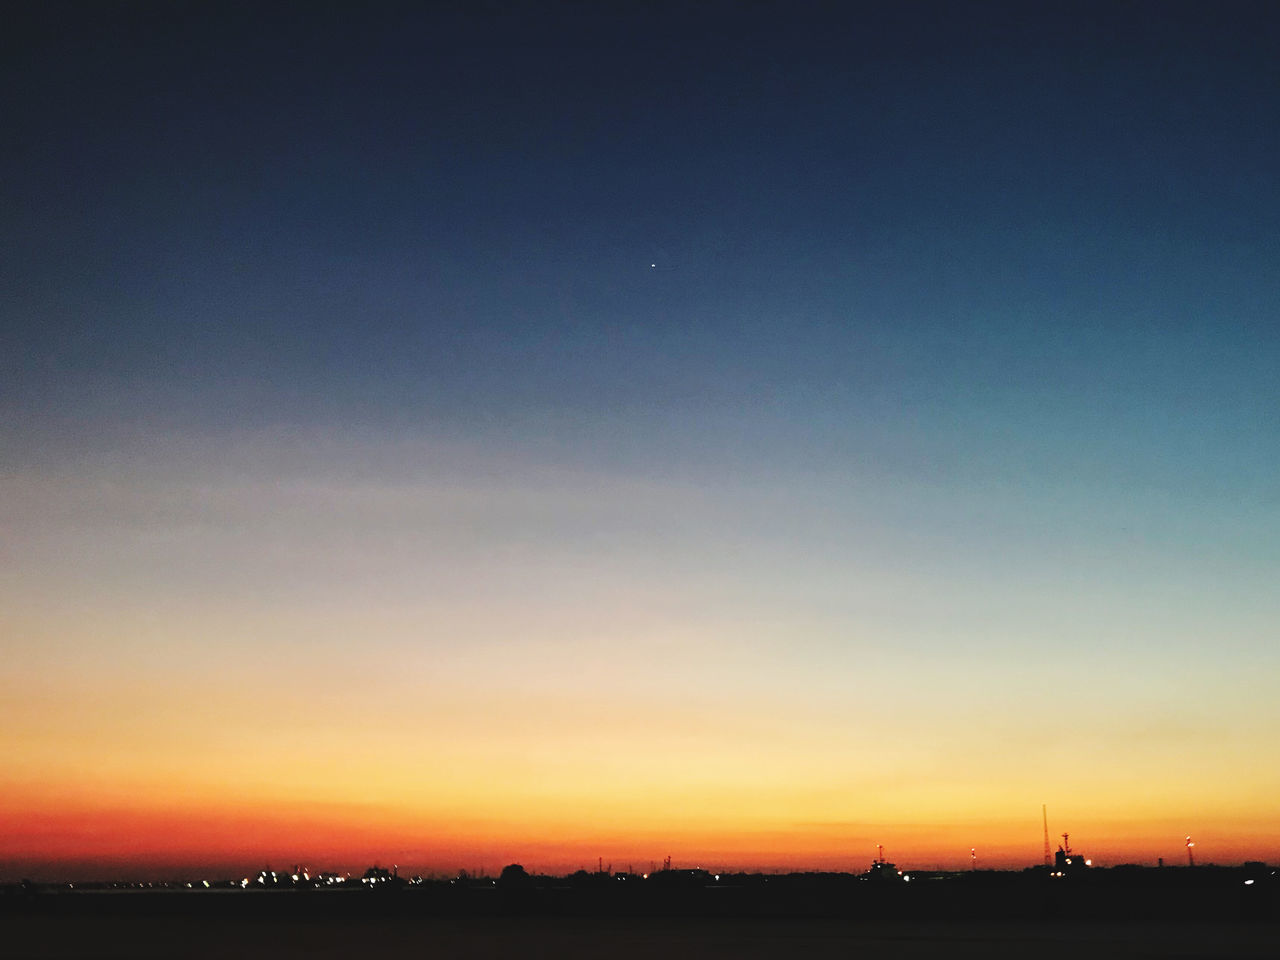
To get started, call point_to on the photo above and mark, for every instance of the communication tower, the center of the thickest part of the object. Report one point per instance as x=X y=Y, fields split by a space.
x=1048 y=855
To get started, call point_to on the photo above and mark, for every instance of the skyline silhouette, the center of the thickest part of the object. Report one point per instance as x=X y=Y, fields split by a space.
x=1065 y=861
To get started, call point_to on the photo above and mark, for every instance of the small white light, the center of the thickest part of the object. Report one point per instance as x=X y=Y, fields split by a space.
x=1248 y=883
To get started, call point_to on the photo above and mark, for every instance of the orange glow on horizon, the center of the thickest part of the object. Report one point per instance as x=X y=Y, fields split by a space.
x=150 y=840
x=580 y=709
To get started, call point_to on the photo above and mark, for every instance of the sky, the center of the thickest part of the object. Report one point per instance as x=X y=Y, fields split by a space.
x=462 y=434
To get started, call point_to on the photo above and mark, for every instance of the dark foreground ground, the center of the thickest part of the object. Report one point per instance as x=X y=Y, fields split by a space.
x=623 y=938
x=1147 y=915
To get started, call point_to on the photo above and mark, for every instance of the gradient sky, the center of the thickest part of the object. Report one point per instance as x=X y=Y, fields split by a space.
x=748 y=433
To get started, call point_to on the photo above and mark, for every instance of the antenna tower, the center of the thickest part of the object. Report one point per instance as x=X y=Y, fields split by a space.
x=1048 y=857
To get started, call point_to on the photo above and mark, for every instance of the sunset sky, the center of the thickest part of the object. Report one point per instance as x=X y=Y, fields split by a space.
x=455 y=435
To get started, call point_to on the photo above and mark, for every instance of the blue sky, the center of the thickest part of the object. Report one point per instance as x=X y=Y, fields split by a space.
x=939 y=337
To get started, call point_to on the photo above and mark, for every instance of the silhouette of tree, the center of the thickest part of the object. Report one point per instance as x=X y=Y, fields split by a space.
x=514 y=875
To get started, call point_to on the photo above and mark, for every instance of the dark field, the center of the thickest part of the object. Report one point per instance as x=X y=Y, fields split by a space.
x=1151 y=914
x=628 y=937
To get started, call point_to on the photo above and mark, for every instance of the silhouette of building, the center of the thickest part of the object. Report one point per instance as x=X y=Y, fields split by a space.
x=884 y=871
x=1066 y=860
